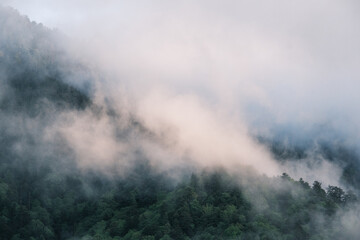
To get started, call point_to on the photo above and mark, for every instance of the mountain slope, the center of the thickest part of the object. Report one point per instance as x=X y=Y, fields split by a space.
x=46 y=192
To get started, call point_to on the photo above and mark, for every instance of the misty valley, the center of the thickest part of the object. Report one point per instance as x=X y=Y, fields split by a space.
x=78 y=164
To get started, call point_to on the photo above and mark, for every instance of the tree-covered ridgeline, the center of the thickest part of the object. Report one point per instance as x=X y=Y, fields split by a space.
x=146 y=205
x=45 y=195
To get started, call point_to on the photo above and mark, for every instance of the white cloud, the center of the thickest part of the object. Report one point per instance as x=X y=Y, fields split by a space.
x=296 y=61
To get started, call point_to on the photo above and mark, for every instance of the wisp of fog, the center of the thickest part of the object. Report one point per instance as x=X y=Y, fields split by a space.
x=208 y=79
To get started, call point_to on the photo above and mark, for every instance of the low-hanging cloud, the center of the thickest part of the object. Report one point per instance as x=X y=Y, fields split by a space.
x=193 y=84
x=228 y=71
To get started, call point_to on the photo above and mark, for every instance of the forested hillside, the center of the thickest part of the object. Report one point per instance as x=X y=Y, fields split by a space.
x=46 y=194
x=145 y=205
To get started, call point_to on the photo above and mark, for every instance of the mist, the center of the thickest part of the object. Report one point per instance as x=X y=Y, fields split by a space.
x=210 y=78
x=264 y=87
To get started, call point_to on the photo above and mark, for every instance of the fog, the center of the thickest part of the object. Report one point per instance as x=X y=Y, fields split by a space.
x=191 y=85
x=208 y=78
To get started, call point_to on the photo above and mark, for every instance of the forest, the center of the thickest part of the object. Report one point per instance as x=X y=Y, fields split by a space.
x=45 y=195
x=146 y=205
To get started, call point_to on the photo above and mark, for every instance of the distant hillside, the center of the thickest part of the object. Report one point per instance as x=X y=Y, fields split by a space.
x=332 y=150
x=32 y=68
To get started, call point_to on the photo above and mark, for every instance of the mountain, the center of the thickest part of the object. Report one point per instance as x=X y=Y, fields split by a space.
x=47 y=193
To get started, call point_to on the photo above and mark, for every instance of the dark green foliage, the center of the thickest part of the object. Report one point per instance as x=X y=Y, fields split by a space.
x=45 y=196
x=144 y=206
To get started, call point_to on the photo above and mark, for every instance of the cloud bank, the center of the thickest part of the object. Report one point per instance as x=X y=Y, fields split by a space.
x=206 y=77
